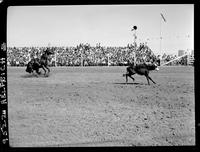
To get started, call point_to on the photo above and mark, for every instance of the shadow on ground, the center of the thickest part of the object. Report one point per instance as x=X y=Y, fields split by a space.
x=133 y=83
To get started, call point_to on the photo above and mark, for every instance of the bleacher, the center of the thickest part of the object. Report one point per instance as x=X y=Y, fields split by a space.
x=86 y=55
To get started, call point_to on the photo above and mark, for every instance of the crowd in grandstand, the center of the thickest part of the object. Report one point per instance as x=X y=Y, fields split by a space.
x=86 y=55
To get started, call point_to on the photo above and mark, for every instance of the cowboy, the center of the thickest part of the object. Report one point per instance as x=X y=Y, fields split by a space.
x=35 y=59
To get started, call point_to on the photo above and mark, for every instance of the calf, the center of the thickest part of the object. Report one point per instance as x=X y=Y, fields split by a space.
x=33 y=66
x=141 y=69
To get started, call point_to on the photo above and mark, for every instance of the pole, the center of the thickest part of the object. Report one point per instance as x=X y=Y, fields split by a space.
x=81 y=57
x=108 y=61
x=134 y=55
x=160 y=35
x=55 y=58
x=135 y=47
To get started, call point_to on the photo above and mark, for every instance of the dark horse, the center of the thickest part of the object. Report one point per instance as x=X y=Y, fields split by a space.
x=141 y=69
x=36 y=64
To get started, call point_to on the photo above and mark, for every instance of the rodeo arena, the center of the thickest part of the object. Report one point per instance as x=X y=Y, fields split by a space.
x=79 y=96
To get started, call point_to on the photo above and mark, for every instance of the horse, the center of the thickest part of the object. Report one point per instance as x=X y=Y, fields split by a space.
x=44 y=60
x=36 y=64
x=141 y=69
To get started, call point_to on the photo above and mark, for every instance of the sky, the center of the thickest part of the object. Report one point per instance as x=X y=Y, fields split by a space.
x=109 y=25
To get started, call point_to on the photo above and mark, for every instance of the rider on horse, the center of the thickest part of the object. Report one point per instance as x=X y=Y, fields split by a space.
x=45 y=57
x=35 y=59
x=41 y=62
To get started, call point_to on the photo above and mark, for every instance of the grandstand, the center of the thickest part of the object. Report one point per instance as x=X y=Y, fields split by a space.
x=185 y=58
x=86 y=55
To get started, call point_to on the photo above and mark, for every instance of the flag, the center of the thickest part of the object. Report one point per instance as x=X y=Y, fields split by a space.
x=163 y=17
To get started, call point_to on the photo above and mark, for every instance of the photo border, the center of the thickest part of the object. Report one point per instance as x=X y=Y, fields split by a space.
x=4 y=4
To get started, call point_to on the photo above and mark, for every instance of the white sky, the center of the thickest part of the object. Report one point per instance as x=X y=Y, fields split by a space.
x=109 y=25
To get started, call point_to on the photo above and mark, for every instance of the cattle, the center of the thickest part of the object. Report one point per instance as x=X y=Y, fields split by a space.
x=141 y=69
x=33 y=66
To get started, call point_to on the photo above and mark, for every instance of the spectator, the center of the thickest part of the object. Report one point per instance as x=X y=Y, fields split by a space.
x=87 y=55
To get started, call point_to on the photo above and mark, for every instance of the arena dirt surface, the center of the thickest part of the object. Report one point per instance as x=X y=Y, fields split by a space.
x=92 y=106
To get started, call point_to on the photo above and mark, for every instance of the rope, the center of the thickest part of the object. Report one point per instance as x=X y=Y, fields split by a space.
x=174 y=59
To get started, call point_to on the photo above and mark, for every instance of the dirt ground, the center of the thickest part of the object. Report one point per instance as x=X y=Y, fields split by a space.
x=92 y=106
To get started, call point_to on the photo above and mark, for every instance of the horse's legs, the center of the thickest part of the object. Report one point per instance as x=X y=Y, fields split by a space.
x=129 y=75
x=147 y=79
x=44 y=69
x=37 y=71
x=47 y=68
x=146 y=73
x=151 y=79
